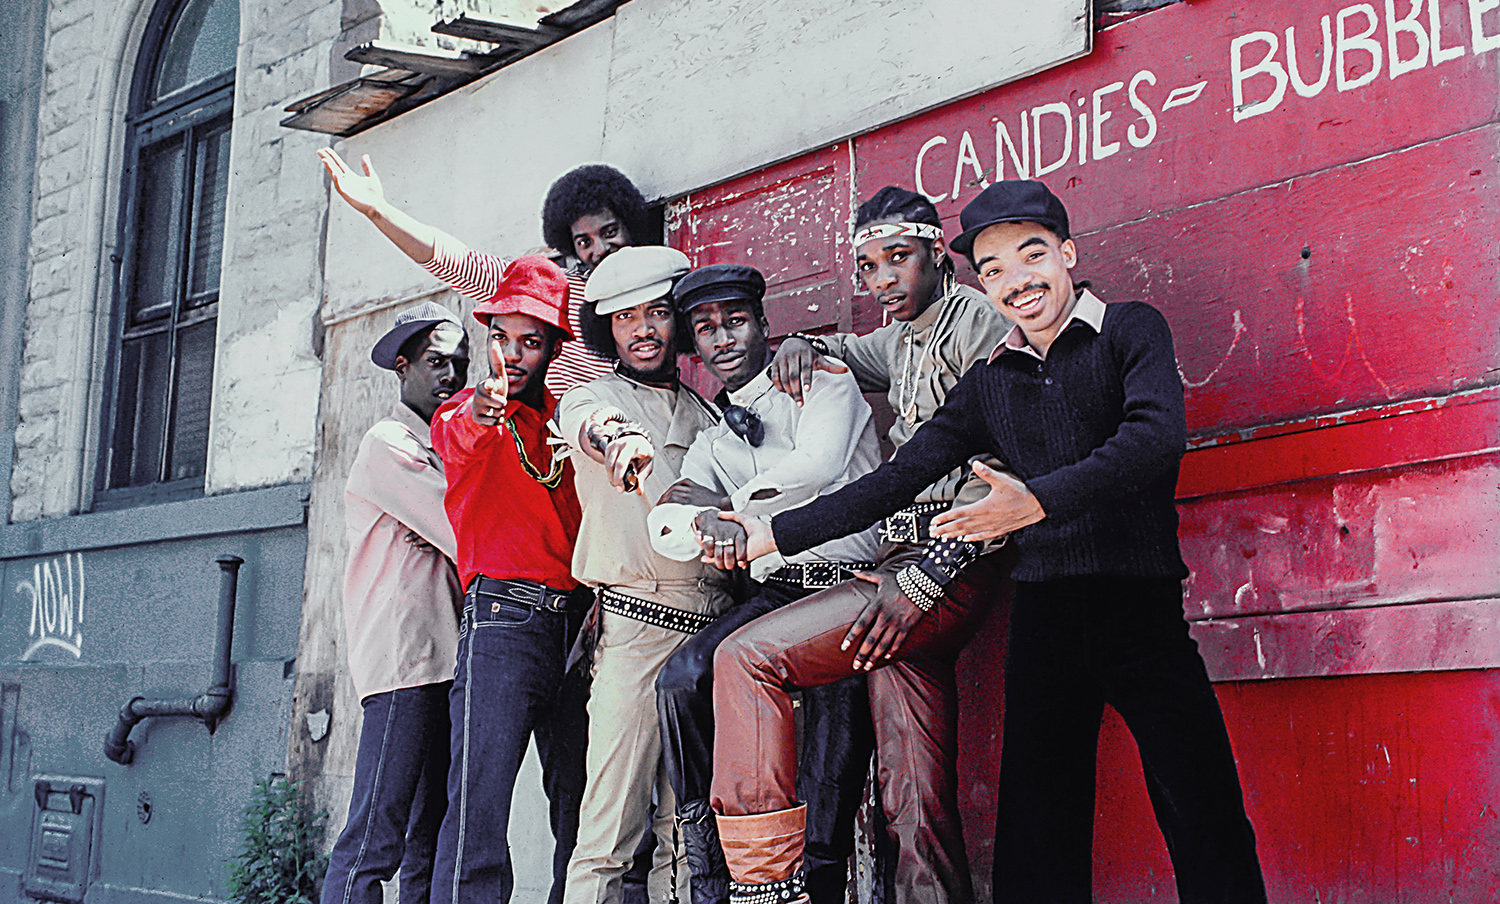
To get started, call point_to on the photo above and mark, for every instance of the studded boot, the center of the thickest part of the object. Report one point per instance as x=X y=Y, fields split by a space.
x=764 y=855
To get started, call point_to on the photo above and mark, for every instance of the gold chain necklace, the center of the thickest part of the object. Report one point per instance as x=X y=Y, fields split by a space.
x=553 y=478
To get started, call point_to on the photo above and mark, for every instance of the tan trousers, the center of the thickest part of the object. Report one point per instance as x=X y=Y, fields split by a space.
x=626 y=777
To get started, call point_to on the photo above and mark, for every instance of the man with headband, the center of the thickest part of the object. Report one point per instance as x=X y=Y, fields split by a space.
x=628 y=432
x=879 y=624
x=769 y=454
x=401 y=602
x=1084 y=402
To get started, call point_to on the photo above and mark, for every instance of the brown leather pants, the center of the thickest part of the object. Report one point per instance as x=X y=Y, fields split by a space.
x=913 y=699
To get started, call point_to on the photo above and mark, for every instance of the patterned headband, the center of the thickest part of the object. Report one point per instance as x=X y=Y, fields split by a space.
x=889 y=230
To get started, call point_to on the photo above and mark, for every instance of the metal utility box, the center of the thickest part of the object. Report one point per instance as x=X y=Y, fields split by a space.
x=63 y=824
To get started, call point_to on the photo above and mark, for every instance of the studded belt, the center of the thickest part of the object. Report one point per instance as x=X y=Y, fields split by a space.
x=912 y=524
x=653 y=613
x=817 y=575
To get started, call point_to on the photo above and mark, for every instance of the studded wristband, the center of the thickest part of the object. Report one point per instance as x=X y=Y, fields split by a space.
x=920 y=588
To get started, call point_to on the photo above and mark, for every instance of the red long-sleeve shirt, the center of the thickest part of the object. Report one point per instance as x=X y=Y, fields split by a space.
x=507 y=524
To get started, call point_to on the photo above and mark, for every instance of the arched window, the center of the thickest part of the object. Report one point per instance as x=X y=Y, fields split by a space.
x=154 y=434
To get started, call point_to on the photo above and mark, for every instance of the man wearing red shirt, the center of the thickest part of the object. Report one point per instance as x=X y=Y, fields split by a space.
x=516 y=517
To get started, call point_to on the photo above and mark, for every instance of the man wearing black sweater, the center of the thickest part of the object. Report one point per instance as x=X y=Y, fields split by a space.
x=1084 y=404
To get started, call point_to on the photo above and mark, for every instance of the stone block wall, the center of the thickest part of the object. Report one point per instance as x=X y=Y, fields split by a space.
x=267 y=370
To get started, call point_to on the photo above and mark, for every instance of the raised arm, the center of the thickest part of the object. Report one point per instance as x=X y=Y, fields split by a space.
x=365 y=194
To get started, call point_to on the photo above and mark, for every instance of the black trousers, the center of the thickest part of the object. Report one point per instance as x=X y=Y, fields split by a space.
x=1075 y=645
x=839 y=737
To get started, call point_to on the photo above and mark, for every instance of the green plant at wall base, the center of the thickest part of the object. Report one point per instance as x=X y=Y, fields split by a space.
x=278 y=862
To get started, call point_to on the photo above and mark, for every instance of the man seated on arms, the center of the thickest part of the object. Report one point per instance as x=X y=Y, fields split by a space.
x=589 y=213
x=768 y=455
x=1084 y=402
x=629 y=431
x=515 y=517
x=939 y=330
x=401 y=602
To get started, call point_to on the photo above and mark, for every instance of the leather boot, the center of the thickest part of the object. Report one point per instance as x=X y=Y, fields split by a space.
x=764 y=855
x=705 y=858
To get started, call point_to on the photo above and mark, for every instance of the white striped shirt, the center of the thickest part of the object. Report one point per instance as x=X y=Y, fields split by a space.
x=476 y=276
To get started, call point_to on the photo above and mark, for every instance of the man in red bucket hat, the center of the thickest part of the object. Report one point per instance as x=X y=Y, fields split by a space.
x=516 y=517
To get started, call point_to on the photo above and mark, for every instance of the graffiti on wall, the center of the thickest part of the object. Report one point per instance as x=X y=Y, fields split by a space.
x=1258 y=70
x=54 y=591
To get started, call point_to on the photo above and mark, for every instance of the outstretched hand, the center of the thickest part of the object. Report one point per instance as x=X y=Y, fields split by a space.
x=792 y=368
x=884 y=623
x=1008 y=507
x=363 y=192
x=628 y=460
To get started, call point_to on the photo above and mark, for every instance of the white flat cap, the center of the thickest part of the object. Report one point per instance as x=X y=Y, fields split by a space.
x=634 y=275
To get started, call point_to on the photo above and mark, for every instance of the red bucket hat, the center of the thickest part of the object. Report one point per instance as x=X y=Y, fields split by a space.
x=531 y=285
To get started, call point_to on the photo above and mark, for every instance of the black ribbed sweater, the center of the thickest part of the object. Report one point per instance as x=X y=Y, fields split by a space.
x=1096 y=432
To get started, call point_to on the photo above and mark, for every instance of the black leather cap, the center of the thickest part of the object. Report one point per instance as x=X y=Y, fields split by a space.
x=1010 y=201
x=718 y=282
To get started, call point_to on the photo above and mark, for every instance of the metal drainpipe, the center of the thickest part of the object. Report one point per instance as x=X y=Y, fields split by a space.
x=208 y=707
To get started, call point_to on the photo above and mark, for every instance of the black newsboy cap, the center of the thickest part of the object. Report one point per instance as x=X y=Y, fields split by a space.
x=1010 y=201
x=718 y=282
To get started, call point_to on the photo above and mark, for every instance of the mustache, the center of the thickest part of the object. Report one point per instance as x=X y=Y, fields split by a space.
x=1029 y=287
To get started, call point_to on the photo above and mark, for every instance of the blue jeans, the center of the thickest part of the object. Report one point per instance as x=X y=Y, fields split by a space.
x=509 y=686
x=398 y=799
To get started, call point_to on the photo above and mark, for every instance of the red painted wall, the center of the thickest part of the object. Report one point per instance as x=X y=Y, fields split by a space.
x=1325 y=252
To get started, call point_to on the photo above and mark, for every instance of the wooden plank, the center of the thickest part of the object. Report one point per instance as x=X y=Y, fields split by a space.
x=1368 y=789
x=1422 y=533
x=1428 y=430
x=1147 y=121
x=1421 y=637
x=1383 y=305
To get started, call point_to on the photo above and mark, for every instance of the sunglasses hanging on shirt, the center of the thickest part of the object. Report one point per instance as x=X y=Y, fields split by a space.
x=746 y=424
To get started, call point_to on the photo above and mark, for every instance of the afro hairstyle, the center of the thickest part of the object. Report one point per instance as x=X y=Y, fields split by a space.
x=586 y=190
x=594 y=330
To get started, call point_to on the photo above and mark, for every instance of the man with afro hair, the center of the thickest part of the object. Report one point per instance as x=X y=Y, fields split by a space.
x=590 y=212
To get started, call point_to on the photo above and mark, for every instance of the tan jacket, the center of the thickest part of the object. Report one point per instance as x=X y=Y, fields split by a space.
x=400 y=599
x=613 y=548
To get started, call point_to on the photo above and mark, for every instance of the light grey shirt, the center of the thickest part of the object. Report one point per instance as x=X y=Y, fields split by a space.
x=808 y=451
x=918 y=362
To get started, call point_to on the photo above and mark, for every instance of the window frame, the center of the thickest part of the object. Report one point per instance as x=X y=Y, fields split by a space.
x=185 y=115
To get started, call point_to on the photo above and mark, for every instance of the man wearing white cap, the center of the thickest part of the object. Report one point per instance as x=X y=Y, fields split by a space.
x=629 y=431
x=401 y=602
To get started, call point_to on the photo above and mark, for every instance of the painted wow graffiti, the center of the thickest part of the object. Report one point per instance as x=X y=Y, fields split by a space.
x=55 y=589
